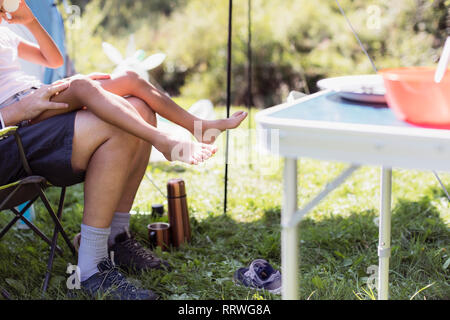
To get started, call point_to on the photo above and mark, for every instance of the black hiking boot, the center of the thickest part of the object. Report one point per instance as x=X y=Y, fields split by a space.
x=131 y=256
x=111 y=284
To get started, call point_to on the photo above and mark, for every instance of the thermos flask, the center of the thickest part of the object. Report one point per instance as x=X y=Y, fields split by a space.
x=178 y=212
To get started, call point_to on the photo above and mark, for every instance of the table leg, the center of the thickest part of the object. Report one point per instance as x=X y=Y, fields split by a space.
x=289 y=234
x=384 y=246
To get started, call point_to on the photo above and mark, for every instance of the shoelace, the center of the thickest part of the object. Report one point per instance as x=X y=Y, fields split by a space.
x=116 y=279
x=138 y=250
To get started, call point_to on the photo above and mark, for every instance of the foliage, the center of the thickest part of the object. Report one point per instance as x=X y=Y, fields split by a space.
x=126 y=10
x=295 y=42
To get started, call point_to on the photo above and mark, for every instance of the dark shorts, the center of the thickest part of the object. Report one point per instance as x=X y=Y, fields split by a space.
x=48 y=147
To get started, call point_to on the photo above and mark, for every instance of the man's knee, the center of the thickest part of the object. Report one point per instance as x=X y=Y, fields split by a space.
x=127 y=141
x=90 y=133
x=131 y=147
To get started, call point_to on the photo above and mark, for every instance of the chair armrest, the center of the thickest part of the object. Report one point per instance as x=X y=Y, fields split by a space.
x=12 y=131
x=7 y=132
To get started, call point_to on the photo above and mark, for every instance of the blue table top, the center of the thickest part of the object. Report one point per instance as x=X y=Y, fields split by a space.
x=331 y=107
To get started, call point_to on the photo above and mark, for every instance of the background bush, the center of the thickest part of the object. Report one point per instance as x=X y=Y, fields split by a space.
x=296 y=42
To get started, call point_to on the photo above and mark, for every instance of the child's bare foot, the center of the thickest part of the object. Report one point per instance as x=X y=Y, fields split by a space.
x=211 y=129
x=185 y=151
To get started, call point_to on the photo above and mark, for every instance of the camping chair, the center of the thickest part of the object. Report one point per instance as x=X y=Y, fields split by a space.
x=30 y=189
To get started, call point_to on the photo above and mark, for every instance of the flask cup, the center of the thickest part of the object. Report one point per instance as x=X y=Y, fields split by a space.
x=159 y=235
x=178 y=212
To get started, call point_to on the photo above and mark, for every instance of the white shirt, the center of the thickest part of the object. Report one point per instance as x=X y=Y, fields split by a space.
x=30 y=68
x=12 y=78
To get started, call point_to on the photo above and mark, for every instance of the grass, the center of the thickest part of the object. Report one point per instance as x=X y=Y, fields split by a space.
x=338 y=239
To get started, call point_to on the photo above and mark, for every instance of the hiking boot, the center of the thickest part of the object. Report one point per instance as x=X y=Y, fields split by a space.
x=259 y=275
x=110 y=282
x=130 y=255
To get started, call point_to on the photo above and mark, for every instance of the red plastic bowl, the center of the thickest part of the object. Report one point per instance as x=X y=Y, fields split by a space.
x=414 y=97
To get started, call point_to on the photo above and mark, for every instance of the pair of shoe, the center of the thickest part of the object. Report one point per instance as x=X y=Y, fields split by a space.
x=259 y=275
x=129 y=255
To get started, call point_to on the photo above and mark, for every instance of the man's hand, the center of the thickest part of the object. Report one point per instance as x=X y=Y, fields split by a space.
x=23 y=15
x=38 y=102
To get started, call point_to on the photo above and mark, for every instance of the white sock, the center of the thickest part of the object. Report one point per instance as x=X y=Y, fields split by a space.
x=93 y=249
x=119 y=224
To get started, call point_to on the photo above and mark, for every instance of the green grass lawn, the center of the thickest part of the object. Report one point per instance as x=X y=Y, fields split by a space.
x=338 y=240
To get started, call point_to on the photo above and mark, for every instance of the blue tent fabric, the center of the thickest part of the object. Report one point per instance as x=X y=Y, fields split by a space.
x=47 y=13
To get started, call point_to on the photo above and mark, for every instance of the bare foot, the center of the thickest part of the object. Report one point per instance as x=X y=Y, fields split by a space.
x=211 y=129
x=185 y=151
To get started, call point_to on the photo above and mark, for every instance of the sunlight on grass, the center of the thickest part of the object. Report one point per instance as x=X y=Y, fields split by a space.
x=252 y=194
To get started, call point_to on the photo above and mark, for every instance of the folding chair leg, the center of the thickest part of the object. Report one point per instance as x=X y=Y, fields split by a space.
x=58 y=228
x=54 y=242
x=50 y=262
x=18 y=215
x=9 y=226
x=58 y=225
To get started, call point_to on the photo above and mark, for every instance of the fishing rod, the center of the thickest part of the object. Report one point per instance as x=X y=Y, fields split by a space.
x=355 y=33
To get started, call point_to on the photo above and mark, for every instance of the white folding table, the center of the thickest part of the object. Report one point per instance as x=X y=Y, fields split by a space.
x=326 y=127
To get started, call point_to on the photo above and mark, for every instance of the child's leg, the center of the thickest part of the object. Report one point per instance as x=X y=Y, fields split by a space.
x=117 y=111
x=129 y=83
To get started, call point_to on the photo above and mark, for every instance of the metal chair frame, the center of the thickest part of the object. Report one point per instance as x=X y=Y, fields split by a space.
x=30 y=189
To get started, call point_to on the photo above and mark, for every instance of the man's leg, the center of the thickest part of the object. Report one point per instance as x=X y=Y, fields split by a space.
x=140 y=161
x=129 y=254
x=116 y=216
x=118 y=164
x=121 y=219
x=105 y=153
x=108 y=155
